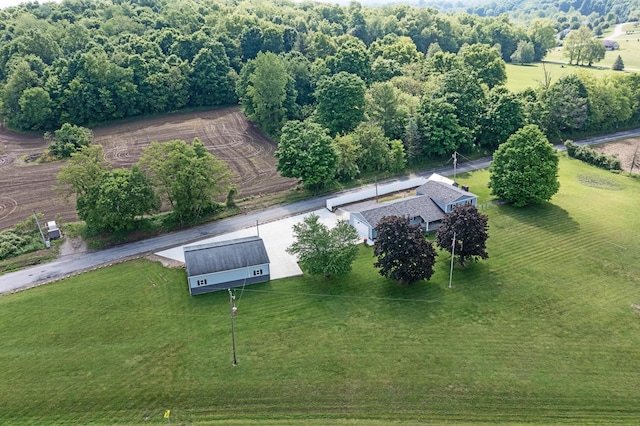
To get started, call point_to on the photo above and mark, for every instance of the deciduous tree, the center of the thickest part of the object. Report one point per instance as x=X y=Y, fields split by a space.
x=305 y=151
x=119 y=198
x=471 y=232
x=210 y=83
x=485 y=62
x=524 y=169
x=266 y=92
x=575 y=44
x=321 y=250
x=186 y=176
x=503 y=116
x=375 y=150
x=341 y=102
x=83 y=171
x=347 y=150
x=542 y=33
x=567 y=103
x=403 y=252
x=35 y=109
x=524 y=53
x=68 y=139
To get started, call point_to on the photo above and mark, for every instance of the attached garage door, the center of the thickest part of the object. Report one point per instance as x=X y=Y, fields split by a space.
x=361 y=227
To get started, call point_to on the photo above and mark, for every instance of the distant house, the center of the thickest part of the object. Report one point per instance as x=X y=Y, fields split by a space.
x=610 y=44
x=226 y=264
x=426 y=208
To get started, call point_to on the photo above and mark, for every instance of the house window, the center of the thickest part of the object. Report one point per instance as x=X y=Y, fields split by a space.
x=257 y=272
x=201 y=282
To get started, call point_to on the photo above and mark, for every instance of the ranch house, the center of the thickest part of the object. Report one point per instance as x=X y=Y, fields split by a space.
x=426 y=208
x=226 y=264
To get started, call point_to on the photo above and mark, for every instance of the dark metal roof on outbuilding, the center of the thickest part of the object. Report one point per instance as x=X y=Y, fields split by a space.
x=225 y=256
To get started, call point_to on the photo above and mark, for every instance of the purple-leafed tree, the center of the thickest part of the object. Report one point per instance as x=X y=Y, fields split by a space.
x=471 y=233
x=403 y=252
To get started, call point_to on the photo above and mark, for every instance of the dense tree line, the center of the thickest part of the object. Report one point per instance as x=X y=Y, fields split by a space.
x=345 y=90
x=599 y=14
x=89 y=62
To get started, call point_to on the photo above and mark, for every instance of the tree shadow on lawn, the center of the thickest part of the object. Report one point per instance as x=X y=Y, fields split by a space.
x=427 y=296
x=546 y=216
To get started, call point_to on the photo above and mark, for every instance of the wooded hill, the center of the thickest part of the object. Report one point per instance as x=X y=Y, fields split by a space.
x=562 y=10
x=396 y=83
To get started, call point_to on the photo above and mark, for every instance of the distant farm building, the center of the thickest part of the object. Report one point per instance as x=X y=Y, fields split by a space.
x=226 y=264
x=426 y=208
x=610 y=44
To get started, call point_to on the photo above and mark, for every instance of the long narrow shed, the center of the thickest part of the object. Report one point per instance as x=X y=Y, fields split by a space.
x=226 y=264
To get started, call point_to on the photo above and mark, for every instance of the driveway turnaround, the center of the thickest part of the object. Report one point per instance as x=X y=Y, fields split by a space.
x=277 y=236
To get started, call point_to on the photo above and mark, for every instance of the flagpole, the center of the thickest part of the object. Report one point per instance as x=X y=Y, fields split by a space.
x=453 y=253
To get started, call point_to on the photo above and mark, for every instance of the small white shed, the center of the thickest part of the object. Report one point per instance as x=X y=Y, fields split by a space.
x=226 y=264
x=52 y=230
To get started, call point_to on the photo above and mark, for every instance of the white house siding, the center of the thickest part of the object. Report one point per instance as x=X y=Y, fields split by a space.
x=229 y=279
x=361 y=225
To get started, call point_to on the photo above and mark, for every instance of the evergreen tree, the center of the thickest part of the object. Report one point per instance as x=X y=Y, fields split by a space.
x=618 y=65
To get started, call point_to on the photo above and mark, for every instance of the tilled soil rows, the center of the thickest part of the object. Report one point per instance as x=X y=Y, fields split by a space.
x=625 y=150
x=226 y=133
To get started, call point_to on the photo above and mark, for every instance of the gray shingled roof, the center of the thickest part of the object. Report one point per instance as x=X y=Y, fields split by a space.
x=442 y=192
x=415 y=206
x=225 y=255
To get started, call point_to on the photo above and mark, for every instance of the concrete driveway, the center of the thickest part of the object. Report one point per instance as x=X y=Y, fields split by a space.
x=277 y=236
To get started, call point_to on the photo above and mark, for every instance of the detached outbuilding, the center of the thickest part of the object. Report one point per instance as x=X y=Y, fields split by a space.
x=53 y=231
x=226 y=264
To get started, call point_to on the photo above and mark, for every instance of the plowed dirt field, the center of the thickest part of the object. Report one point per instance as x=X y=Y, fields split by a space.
x=227 y=134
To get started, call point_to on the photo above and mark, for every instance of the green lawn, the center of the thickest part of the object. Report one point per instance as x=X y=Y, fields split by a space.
x=546 y=330
x=519 y=77
x=629 y=51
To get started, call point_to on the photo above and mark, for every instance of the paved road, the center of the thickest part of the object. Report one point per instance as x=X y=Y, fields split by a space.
x=74 y=264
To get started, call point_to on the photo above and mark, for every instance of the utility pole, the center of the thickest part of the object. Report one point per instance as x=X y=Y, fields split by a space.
x=633 y=162
x=376 y=188
x=44 y=240
x=233 y=336
x=453 y=253
x=258 y=227
x=455 y=164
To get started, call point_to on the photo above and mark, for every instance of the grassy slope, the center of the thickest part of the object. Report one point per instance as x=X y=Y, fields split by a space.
x=520 y=77
x=542 y=331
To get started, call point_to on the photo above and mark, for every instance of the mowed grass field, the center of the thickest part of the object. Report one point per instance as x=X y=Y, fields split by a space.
x=520 y=77
x=547 y=330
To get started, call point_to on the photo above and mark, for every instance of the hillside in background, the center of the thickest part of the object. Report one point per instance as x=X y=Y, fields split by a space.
x=527 y=10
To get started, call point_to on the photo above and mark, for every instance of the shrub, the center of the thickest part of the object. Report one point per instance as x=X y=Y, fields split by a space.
x=591 y=156
x=22 y=238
